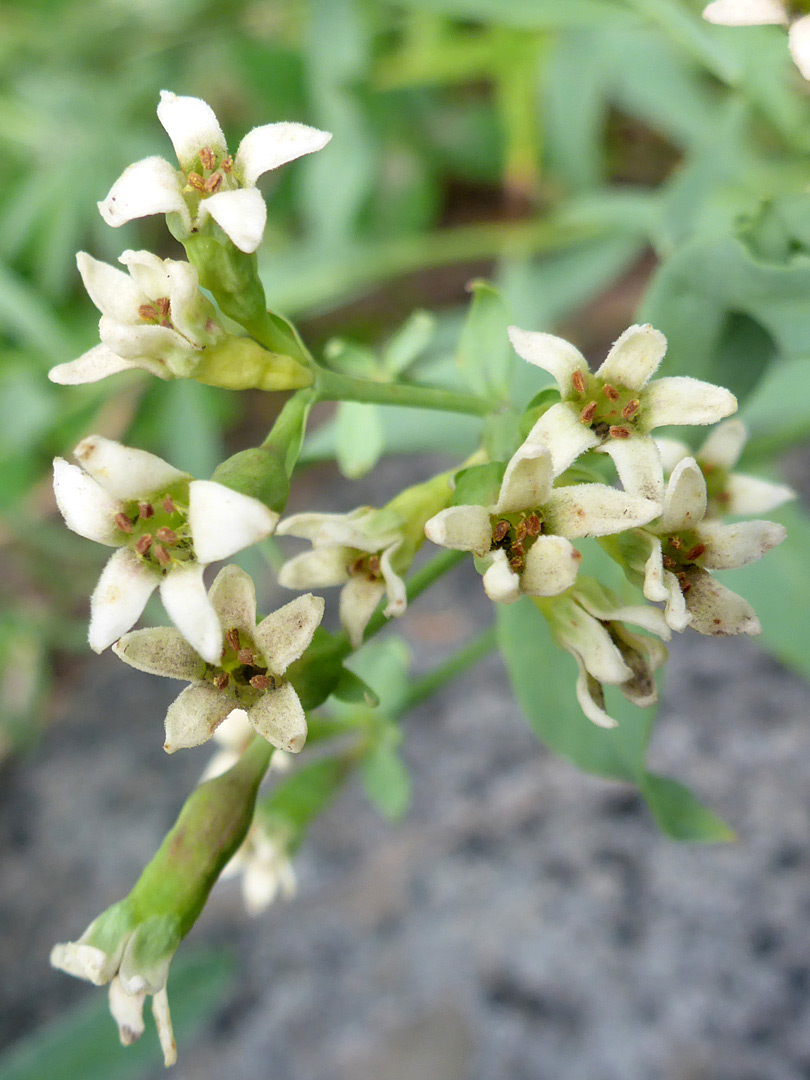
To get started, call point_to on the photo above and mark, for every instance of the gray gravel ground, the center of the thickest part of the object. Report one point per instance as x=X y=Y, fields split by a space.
x=524 y=922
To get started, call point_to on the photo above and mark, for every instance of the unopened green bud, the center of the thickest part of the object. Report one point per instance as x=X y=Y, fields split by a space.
x=242 y=364
x=256 y=472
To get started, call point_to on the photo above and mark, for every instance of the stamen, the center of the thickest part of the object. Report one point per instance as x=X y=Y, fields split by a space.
x=684 y=582
x=516 y=563
x=262 y=682
x=520 y=531
x=588 y=413
x=207 y=158
x=147 y=311
x=144 y=544
x=357 y=566
x=164 y=306
x=695 y=552
x=676 y=542
x=610 y=392
x=578 y=379
x=167 y=535
x=221 y=680
x=533 y=525
x=619 y=432
x=669 y=562
x=162 y=555
x=631 y=408
x=123 y=523
x=246 y=657
x=500 y=531
x=374 y=565
x=226 y=165
x=232 y=639
x=168 y=505
x=146 y=510
x=213 y=183
x=196 y=181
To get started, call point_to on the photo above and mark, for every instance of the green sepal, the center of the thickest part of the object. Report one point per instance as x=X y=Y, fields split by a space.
x=354 y=691
x=240 y=363
x=230 y=275
x=537 y=407
x=479 y=485
x=256 y=472
x=318 y=672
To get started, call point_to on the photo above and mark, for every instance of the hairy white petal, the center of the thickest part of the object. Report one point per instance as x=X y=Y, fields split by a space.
x=676 y=611
x=527 y=480
x=278 y=717
x=149 y=346
x=551 y=567
x=591 y=698
x=655 y=587
x=648 y=618
x=463 y=528
x=97 y=363
x=305 y=526
x=160 y=650
x=124 y=471
x=127 y=1011
x=595 y=510
x=745 y=12
x=224 y=521
x=563 y=434
x=240 y=214
x=235 y=732
x=194 y=715
x=638 y=463
x=634 y=358
x=119 y=598
x=84 y=962
x=113 y=292
x=233 y=596
x=359 y=598
x=267 y=147
x=87 y=508
x=799 y=43
x=315 y=569
x=186 y=299
x=163 y=1023
x=752 y=495
x=500 y=581
x=553 y=354
x=394 y=585
x=286 y=634
x=716 y=610
x=671 y=451
x=683 y=400
x=685 y=499
x=148 y=274
x=151 y=186
x=183 y=594
x=191 y=125
x=588 y=639
x=722 y=447
x=730 y=546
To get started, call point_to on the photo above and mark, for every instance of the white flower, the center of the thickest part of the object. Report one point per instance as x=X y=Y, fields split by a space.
x=588 y=621
x=234 y=735
x=672 y=557
x=246 y=675
x=766 y=13
x=728 y=492
x=359 y=551
x=167 y=529
x=614 y=409
x=264 y=863
x=524 y=537
x=154 y=317
x=210 y=184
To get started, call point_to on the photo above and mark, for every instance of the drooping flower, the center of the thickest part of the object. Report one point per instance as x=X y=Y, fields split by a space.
x=154 y=317
x=210 y=185
x=264 y=864
x=671 y=558
x=728 y=492
x=167 y=529
x=248 y=674
x=615 y=409
x=589 y=622
x=767 y=13
x=524 y=538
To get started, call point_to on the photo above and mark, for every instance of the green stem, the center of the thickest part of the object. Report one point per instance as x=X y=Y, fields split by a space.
x=465 y=657
x=333 y=386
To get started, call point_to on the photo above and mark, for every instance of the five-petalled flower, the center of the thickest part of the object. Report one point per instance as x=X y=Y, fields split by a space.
x=210 y=185
x=248 y=674
x=525 y=537
x=768 y=13
x=614 y=409
x=166 y=527
x=154 y=317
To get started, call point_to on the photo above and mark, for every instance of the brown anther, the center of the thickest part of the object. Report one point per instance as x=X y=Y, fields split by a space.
x=533 y=525
x=226 y=164
x=685 y=583
x=520 y=531
x=207 y=158
x=123 y=523
x=232 y=639
x=164 y=306
x=676 y=542
x=631 y=408
x=144 y=544
x=196 y=181
x=669 y=562
x=610 y=392
x=619 y=432
x=374 y=565
x=357 y=566
x=213 y=183
x=516 y=563
x=695 y=552
x=262 y=682
x=588 y=413
x=147 y=311
x=500 y=531
x=517 y=550
x=578 y=379
x=167 y=535
x=162 y=555
x=168 y=505
x=221 y=681
x=145 y=510
x=246 y=657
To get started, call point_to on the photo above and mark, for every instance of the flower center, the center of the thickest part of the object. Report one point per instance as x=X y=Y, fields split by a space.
x=610 y=411
x=215 y=173
x=242 y=669
x=156 y=529
x=157 y=313
x=515 y=534
x=681 y=552
x=367 y=566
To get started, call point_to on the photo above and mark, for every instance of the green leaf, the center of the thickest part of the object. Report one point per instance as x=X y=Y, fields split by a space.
x=319 y=670
x=478 y=485
x=777 y=413
x=484 y=354
x=353 y=690
x=294 y=803
x=385 y=665
x=84 y=1044
x=408 y=343
x=679 y=815
x=527 y=14
x=386 y=781
x=359 y=440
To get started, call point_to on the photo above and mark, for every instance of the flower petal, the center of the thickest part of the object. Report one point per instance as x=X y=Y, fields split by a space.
x=97 y=363
x=551 y=567
x=87 y=508
x=186 y=601
x=563 y=434
x=234 y=733
x=240 y=214
x=151 y=186
x=278 y=717
x=638 y=463
x=394 y=585
x=685 y=498
x=671 y=451
x=587 y=638
x=752 y=495
x=527 y=480
x=359 y=598
x=595 y=510
x=149 y=346
x=113 y=292
x=233 y=596
x=315 y=569
x=119 y=598
x=286 y=634
x=191 y=125
x=655 y=586
x=730 y=546
x=634 y=358
x=127 y=1011
x=305 y=525
x=591 y=698
x=193 y=716
x=124 y=471
x=722 y=447
x=84 y=962
x=676 y=611
x=148 y=273
x=799 y=44
x=745 y=12
x=501 y=583
x=224 y=521
x=682 y=400
x=463 y=528
x=163 y=1023
x=267 y=147
x=160 y=650
x=716 y=610
x=553 y=354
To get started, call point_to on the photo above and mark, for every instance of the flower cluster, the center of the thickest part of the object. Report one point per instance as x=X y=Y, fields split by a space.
x=767 y=13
